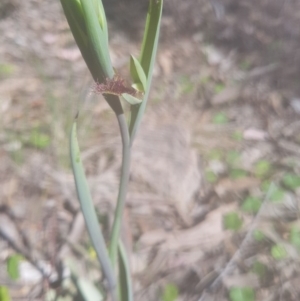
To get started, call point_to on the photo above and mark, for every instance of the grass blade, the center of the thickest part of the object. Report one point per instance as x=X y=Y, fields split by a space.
x=75 y=17
x=88 y=210
x=148 y=55
x=97 y=37
x=137 y=73
x=131 y=99
x=151 y=35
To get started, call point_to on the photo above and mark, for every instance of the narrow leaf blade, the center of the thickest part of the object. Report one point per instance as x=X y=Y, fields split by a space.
x=97 y=38
x=151 y=35
x=137 y=73
x=131 y=99
x=88 y=209
x=75 y=17
x=13 y=266
x=148 y=55
x=126 y=292
x=4 y=294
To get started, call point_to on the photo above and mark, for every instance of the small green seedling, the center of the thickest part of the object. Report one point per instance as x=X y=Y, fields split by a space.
x=6 y=70
x=232 y=221
x=259 y=269
x=219 y=88
x=291 y=181
x=220 y=118
x=278 y=252
x=258 y=235
x=233 y=158
x=242 y=294
x=39 y=140
x=295 y=237
x=262 y=168
x=4 y=293
x=251 y=204
x=215 y=154
x=170 y=293
x=238 y=135
x=210 y=176
x=237 y=173
x=12 y=266
x=277 y=194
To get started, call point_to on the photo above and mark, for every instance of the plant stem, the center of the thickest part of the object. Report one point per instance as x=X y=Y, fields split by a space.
x=124 y=179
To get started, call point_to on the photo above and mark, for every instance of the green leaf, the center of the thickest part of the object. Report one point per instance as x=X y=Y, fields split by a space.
x=4 y=293
x=278 y=252
x=291 y=181
x=151 y=34
x=147 y=59
x=6 y=69
x=88 y=25
x=215 y=154
x=220 y=118
x=138 y=87
x=137 y=73
x=237 y=173
x=102 y=18
x=295 y=237
x=251 y=204
x=39 y=140
x=258 y=235
x=125 y=284
x=262 y=168
x=233 y=158
x=98 y=44
x=237 y=135
x=12 y=266
x=219 y=88
x=170 y=293
x=131 y=99
x=210 y=176
x=73 y=12
x=88 y=209
x=259 y=269
x=242 y=294
x=232 y=221
x=277 y=194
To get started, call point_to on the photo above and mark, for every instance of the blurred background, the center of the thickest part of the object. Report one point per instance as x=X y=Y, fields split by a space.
x=202 y=219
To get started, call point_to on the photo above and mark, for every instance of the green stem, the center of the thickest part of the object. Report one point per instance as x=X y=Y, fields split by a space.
x=89 y=212
x=126 y=154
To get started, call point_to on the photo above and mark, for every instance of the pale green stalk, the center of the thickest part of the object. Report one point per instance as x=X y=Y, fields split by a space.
x=89 y=213
x=124 y=179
